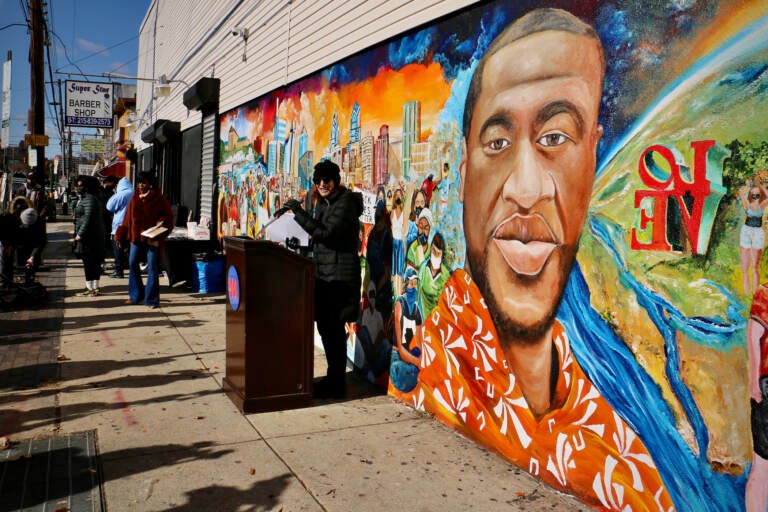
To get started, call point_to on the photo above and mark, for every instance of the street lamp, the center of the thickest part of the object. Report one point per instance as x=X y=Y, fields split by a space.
x=162 y=83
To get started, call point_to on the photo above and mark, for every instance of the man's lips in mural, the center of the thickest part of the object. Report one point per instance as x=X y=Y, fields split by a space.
x=526 y=242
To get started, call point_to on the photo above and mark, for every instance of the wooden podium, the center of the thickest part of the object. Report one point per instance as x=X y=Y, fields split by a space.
x=270 y=326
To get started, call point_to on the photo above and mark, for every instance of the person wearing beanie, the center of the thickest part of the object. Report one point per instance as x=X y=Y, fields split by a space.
x=38 y=199
x=32 y=240
x=89 y=233
x=28 y=216
x=335 y=232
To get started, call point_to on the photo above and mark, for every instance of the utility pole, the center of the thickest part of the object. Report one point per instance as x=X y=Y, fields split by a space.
x=64 y=167
x=37 y=82
x=6 y=118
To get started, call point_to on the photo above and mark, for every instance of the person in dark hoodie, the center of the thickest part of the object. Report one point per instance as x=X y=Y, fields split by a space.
x=334 y=229
x=89 y=233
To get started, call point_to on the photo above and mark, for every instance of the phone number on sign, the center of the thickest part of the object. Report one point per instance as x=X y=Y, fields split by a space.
x=88 y=121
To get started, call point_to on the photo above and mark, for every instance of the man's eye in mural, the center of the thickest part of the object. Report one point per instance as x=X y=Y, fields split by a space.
x=498 y=144
x=553 y=139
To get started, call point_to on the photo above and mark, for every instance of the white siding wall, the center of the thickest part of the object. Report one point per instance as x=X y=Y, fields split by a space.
x=289 y=39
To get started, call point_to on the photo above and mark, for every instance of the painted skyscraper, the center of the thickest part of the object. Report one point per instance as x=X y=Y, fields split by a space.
x=303 y=142
x=411 y=132
x=334 y=132
x=381 y=156
x=354 y=124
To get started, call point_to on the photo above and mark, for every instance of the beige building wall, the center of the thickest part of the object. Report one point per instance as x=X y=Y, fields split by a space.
x=186 y=40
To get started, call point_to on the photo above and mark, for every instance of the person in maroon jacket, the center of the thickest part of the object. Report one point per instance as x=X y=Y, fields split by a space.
x=148 y=209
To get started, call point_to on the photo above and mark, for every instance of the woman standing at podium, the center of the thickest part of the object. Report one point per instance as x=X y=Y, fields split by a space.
x=334 y=229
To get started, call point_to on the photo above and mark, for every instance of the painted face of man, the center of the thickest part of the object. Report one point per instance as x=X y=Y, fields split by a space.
x=419 y=202
x=422 y=229
x=435 y=257
x=527 y=171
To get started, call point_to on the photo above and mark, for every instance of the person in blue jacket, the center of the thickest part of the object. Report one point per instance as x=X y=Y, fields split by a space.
x=117 y=204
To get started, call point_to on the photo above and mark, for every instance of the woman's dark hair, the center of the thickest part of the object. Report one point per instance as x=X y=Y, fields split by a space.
x=412 y=214
x=327 y=169
x=147 y=177
x=383 y=221
x=90 y=183
x=439 y=242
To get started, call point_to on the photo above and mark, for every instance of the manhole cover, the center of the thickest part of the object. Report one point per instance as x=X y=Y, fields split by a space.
x=54 y=474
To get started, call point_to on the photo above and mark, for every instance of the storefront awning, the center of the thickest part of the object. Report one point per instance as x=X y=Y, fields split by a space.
x=116 y=168
x=161 y=131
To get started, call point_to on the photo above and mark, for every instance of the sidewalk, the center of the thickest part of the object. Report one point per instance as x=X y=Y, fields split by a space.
x=148 y=382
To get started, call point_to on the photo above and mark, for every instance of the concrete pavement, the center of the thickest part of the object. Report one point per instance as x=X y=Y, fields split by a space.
x=149 y=383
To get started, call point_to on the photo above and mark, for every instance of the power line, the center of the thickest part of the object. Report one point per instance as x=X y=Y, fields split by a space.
x=56 y=111
x=66 y=53
x=13 y=25
x=24 y=10
x=106 y=49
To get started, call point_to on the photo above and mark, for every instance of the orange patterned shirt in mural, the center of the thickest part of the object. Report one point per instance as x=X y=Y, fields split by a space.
x=584 y=447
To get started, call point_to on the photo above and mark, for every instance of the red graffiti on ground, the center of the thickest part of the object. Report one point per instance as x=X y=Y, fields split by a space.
x=107 y=338
x=130 y=419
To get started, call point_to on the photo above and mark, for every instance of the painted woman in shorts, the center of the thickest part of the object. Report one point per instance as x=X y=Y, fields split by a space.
x=752 y=237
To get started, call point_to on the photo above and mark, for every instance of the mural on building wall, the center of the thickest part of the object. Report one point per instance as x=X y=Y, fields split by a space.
x=626 y=373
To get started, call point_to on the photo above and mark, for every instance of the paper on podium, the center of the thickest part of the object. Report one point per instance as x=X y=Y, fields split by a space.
x=285 y=227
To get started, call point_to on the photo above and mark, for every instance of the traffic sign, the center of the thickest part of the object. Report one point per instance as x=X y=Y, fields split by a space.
x=35 y=140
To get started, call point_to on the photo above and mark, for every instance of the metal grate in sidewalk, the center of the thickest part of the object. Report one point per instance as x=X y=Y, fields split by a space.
x=53 y=474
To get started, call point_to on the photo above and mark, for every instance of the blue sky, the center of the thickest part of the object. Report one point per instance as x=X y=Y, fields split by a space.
x=96 y=35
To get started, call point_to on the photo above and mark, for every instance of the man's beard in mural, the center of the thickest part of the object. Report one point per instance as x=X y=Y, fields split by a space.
x=506 y=327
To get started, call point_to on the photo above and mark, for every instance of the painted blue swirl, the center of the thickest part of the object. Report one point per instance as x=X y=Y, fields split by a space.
x=633 y=393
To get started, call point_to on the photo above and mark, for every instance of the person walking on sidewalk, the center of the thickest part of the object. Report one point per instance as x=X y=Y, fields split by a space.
x=147 y=209
x=117 y=205
x=89 y=233
x=36 y=194
x=32 y=240
x=20 y=234
x=106 y=191
x=334 y=229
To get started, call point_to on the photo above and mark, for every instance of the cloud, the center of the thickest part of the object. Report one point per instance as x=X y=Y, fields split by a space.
x=88 y=46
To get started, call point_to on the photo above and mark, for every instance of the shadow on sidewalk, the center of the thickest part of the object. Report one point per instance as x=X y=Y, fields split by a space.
x=261 y=495
x=16 y=421
x=84 y=369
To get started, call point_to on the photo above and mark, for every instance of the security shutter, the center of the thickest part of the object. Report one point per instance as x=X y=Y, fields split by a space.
x=208 y=162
